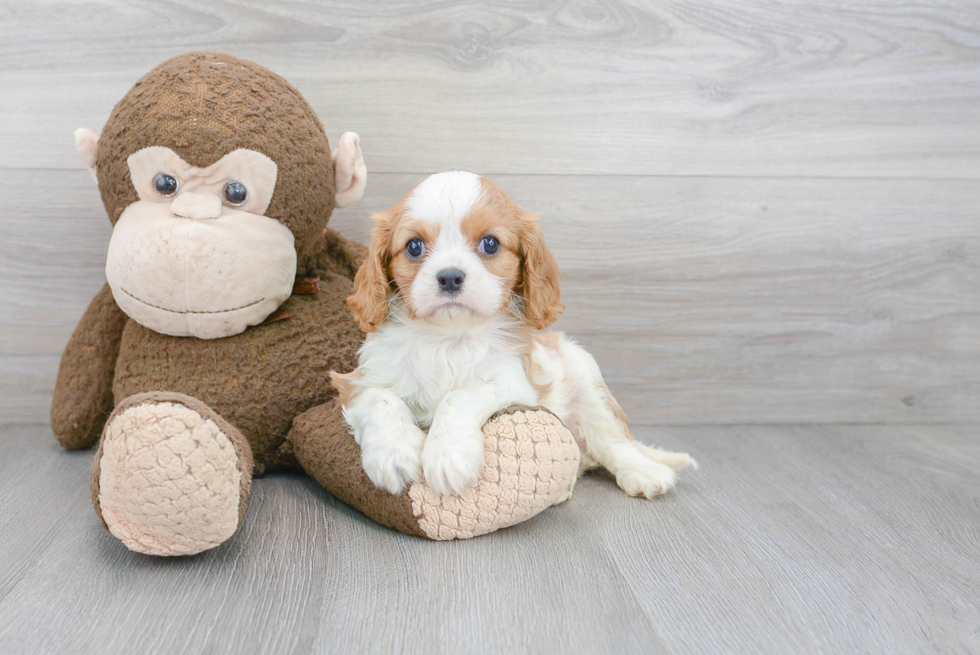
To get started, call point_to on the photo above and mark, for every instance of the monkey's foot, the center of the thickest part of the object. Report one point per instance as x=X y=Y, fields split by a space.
x=171 y=477
x=531 y=463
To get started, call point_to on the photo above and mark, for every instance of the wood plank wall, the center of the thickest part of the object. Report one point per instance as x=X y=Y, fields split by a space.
x=766 y=212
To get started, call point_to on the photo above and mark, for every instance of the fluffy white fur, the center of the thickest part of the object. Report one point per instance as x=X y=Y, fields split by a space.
x=449 y=361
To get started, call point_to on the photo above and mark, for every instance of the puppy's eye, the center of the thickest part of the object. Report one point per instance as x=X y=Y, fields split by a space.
x=415 y=248
x=165 y=184
x=236 y=193
x=489 y=246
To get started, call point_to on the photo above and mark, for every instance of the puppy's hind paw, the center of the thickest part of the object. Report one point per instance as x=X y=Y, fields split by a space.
x=647 y=479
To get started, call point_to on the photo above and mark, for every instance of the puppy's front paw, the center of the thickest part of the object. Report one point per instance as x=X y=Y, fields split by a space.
x=452 y=463
x=646 y=478
x=394 y=462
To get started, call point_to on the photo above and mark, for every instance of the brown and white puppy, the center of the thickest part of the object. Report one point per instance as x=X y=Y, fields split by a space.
x=455 y=291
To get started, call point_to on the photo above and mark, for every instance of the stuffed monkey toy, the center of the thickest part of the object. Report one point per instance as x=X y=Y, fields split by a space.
x=206 y=358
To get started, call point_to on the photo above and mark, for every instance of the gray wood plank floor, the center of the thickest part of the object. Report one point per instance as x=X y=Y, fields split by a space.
x=788 y=539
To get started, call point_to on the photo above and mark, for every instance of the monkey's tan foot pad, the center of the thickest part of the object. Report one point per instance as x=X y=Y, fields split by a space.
x=171 y=477
x=531 y=462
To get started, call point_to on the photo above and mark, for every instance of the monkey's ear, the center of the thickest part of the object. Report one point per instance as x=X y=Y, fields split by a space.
x=349 y=172
x=87 y=144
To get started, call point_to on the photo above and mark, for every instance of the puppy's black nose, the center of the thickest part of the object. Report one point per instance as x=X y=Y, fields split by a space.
x=450 y=279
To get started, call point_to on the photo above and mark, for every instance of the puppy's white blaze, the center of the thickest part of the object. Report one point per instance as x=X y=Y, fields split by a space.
x=445 y=198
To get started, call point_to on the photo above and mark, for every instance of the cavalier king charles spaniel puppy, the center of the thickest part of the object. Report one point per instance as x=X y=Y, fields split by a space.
x=455 y=292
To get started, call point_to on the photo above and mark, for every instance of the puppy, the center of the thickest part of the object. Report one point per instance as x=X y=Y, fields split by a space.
x=456 y=288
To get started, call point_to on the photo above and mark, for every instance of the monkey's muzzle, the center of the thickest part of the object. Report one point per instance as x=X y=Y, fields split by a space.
x=206 y=278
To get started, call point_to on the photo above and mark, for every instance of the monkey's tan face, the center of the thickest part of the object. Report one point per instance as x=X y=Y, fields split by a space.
x=195 y=256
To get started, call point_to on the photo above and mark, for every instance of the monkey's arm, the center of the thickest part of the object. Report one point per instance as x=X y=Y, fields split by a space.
x=341 y=255
x=83 y=393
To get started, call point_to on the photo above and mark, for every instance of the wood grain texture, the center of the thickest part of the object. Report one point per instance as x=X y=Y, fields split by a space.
x=827 y=88
x=705 y=300
x=679 y=152
x=790 y=539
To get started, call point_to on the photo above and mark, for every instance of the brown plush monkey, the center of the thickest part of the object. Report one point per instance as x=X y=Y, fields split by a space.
x=224 y=315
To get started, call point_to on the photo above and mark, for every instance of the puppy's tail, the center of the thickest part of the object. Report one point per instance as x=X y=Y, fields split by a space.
x=676 y=461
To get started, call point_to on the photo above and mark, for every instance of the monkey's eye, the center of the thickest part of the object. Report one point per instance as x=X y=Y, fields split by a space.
x=415 y=248
x=165 y=184
x=236 y=193
x=489 y=246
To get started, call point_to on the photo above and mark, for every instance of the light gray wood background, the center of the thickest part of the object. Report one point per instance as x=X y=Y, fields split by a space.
x=767 y=213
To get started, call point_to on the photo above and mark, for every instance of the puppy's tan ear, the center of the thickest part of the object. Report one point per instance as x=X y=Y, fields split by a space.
x=370 y=298
x=540 y=276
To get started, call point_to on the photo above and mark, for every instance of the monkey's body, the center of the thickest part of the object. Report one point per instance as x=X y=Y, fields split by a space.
x=219 y=182
x=260 y=379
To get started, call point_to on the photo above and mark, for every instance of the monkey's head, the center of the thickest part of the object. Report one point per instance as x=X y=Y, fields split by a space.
x=218 y=179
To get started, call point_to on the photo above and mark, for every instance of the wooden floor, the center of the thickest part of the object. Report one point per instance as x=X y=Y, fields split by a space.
x=788 y=540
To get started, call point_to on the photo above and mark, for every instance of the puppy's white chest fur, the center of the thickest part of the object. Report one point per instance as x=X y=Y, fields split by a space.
x=421 y=362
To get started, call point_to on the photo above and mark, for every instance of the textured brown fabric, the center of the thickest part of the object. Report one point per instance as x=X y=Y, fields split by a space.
x=521 y=408
x=279 y=315
x=94 y=475
x=203 y=105
x=83 y=392
x=340 y=255
x=257 y=380
x=245 y=464
x=306 y=285
x=327 y=452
